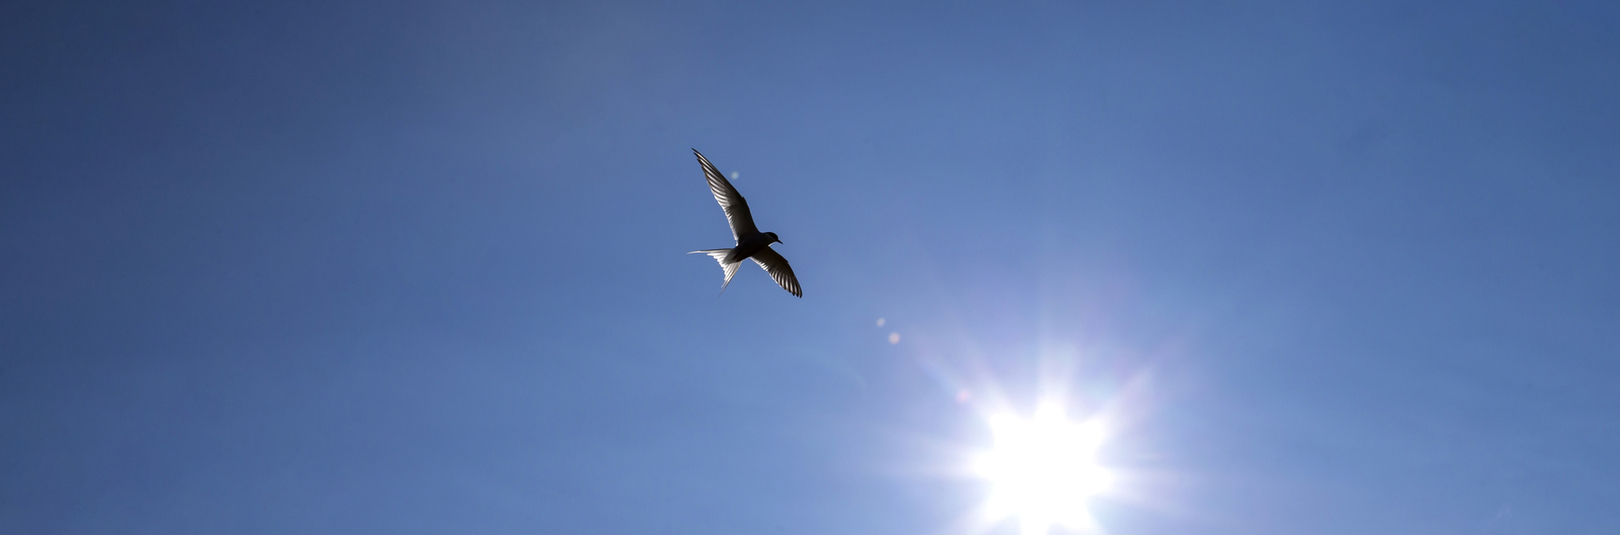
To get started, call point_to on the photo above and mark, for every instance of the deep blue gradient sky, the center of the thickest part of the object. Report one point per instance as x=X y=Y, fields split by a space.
x=392 y=268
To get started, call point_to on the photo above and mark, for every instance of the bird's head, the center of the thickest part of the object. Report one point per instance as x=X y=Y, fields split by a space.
x=774 y=239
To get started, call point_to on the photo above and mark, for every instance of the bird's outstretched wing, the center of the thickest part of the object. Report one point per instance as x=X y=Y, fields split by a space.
x=742 y=222
x=779 y=269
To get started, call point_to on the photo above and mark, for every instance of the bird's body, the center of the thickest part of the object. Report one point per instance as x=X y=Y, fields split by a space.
x=751 y=243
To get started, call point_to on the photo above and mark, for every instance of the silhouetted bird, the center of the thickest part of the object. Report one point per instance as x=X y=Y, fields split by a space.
x=751 y=243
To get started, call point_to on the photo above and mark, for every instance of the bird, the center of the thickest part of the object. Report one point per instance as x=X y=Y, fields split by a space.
x=751 y=243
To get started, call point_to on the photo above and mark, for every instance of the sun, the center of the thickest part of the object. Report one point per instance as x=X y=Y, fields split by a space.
x=1043 y=470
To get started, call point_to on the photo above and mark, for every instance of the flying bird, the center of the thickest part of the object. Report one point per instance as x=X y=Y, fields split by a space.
x=751 y=243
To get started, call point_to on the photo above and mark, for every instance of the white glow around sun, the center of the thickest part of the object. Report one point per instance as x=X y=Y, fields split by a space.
x=1043 y=470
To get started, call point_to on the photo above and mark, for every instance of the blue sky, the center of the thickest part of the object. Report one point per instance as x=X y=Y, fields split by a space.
x=1328 y=267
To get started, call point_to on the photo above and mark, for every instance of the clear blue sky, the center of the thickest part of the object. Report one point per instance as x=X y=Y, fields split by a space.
x=394 y=268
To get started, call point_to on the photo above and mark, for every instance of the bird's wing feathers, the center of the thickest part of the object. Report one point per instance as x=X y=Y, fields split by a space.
x=742 y=222
x=779 y=269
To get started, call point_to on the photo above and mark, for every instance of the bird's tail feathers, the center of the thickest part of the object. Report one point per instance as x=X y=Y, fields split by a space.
x=719 y=255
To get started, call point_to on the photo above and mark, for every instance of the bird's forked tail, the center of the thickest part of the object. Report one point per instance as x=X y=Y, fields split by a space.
x=719 y=255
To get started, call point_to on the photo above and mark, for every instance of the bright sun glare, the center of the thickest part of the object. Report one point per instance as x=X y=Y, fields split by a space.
x=1043 y=470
